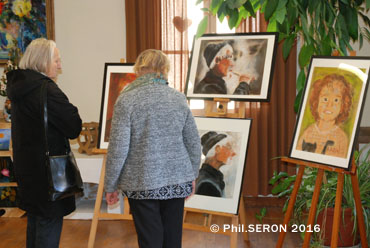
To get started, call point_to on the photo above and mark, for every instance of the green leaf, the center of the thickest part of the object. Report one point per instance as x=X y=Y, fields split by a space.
x=280 y=15
x=221 y=13
x=297 y=102
x=202 y=27
x=198 y=2
x=243 y=13
x=235 y=4
x=215 y=4
x=301 y=80
x=343 y=47
x=234 y=16
x=292 y=12
x=326 y=48
x=305 y=55
x=270 y=8
x=262 y=214
x=304 y=25
x=351 y=20
x=329 y=14
x=287 y=46
x=341 y=28
x=204 y=9
x=367 y=4
x=248 y=6
x=312 y=6
x=276 y=177
x=272 y=26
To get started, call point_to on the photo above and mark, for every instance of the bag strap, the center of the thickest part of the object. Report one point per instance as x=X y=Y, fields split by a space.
x=45 y=110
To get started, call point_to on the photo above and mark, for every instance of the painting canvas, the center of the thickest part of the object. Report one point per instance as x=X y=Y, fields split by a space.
x=4 y=139
x=22 y=21
x=116 y=77
x=330 y=111
x=235 y=66
x=224 y=149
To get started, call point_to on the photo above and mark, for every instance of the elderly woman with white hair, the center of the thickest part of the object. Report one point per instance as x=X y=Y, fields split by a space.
x=39 y=68
x=218 y=149
x=154 y=152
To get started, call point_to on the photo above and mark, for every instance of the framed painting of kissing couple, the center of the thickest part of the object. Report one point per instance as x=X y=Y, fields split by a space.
x=330 y=110
x=234 y=66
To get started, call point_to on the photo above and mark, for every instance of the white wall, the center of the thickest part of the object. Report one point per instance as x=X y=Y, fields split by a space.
x=88 y=33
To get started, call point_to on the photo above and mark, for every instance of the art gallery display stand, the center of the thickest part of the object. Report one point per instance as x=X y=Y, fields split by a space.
x=338 y=201
x=90 y=168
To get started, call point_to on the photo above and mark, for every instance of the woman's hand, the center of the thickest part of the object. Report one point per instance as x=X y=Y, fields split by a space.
x=193 y=190
x=111 y=197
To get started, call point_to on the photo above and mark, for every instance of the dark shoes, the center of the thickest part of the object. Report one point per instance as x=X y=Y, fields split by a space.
x=2 y=212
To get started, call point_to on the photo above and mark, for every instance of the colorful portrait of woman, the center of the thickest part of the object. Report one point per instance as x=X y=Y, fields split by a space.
x=328 y=117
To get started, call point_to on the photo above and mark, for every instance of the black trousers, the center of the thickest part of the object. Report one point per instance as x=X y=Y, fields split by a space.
x=43 y=232
x=158 y=223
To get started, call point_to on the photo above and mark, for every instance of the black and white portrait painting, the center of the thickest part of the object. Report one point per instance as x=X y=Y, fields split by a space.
x=235 y=66
x=224 y=145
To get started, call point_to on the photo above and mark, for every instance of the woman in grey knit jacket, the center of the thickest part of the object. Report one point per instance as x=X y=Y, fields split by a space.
x=154 y=152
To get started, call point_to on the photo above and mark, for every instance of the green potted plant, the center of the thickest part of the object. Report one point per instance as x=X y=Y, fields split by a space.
x=284 y=186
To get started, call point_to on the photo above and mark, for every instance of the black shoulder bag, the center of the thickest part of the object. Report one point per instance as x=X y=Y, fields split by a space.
x=64 y=177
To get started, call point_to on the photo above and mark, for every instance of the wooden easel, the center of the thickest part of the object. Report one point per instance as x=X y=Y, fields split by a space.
x=99 y=197
x=218 y=108
x=315 y=198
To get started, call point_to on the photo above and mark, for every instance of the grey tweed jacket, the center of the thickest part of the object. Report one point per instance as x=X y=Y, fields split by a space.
x=154 y=141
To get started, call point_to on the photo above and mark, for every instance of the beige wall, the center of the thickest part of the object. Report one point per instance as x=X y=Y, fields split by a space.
x=88 y=34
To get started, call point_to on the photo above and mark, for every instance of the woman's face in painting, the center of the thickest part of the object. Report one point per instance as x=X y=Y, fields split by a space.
x=330 y=101
x=224 y=152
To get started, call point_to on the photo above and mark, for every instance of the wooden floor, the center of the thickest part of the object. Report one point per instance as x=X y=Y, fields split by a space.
x=75 y=233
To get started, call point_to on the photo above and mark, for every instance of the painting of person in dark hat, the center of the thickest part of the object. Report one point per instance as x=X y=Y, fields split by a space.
x=218 y=149
x=224 y=63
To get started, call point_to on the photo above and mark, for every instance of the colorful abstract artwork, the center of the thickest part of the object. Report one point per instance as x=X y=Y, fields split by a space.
x=22 y=21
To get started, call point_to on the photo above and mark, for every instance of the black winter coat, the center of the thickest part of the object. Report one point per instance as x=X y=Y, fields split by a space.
x=24 y=91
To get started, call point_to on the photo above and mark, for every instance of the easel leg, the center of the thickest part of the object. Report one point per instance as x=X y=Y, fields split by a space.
x=234 y=235
x=312 y=213
x=359 y=209
x=291 y=203
x=242 y=217
x=99 y=198
x=337 y=210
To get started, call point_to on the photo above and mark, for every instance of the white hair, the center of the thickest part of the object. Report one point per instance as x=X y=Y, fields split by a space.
x=38 y=55
x=223 y=142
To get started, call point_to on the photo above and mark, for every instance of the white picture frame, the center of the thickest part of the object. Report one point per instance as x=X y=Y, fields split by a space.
x=238 y=132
